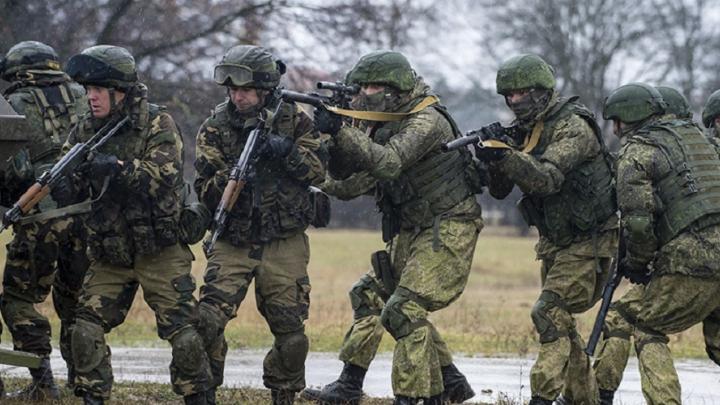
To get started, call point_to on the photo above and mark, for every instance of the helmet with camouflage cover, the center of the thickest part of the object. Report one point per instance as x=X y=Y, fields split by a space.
x=526 y=71
x=103 y=65
x=711 y=109
x=633 y=102
x=249 y=66
x=676 y=103
x=383 y=67
x=28 y=55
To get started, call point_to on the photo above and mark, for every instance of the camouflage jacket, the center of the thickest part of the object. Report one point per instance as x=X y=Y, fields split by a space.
x=52 y=104
x=644 y=162
x=415 y=183
x=566 y=163
x=276 y=202
x=138 y=213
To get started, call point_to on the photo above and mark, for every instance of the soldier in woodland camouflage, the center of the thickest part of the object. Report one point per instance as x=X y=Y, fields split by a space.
x=133 y=228
x=46 y=255
x=431 y=222
x=265 y=237
x=672 y=232
x=559 y=161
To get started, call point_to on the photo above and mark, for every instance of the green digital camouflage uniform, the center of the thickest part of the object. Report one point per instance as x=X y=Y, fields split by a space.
x=685 y=277
x=568 y=196
x=133 y=241
x=437 y=221
x=46 y=255
x=710 y=112
x=264 y=238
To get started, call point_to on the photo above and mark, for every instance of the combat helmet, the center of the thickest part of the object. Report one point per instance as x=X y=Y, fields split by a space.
x=28 y=55
x=526 y=71
x=711 y=109
x=383 y=67
x=633 y=102
x=249 y=66
x=676 y=103
x=103 y=65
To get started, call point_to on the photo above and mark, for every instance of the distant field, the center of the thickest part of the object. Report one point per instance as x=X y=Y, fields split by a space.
x=491 y=318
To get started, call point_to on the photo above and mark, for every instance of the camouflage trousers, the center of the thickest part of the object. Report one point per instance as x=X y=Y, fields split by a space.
x=282 y=294
x=43 y=257
x=572 y=282
x=428 y=280
x=668 y=304
x=108 y=293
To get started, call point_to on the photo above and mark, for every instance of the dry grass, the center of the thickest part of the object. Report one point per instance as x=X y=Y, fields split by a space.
x=491 y=318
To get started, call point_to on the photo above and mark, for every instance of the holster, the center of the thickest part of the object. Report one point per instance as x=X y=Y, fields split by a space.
x=531 y=215
x=383 y=270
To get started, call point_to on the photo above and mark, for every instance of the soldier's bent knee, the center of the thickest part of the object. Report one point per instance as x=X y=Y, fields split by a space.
x=88 y=345
x=188 y=351
x=395 y=321
x=361 y=304
x=644 y=338
x=543 y=321
x=211 y=323
x=293 y=349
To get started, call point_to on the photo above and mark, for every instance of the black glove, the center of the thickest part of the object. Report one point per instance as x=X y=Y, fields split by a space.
x=634 y=271
x=100 y=166
x=488 y=154
x=327 y=122
x=276 y=146
x=492 y=131
x=63 y=192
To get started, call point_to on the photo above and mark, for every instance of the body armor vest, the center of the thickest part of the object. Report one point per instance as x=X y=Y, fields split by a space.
x=429 y=188
x=273 y=205
x=689 y=194
x=587 y=197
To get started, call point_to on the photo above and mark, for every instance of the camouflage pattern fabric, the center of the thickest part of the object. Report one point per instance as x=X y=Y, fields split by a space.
x=282 y=293
x=264 y=238
x=572 y=276
x=430 y=259
x=108 y=293
x=50 y=255
x=133 y=241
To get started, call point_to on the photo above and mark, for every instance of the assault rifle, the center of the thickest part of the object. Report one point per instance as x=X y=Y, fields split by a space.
x=616 y=275
x=341 y=95
x=476 y=136
x=77 y=155
x=239 y=176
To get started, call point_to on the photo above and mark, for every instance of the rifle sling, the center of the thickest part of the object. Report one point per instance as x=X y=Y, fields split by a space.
x=73 y=209
x=383 y=116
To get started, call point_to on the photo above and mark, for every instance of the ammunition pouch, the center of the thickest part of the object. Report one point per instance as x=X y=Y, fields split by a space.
x=194 y=221
x=531 y=215
x=320 y=202
x=383 y=270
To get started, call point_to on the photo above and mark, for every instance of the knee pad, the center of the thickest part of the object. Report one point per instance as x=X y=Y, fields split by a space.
x=211 y=323
x=362 y=305
x=188 y=351
x=292 y=350
x=88 y=345
x=395 y=321
x=543 y=321
x=283 y=320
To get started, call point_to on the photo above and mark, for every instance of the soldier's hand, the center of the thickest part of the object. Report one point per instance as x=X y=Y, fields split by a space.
x=635 y=271
x=276 y=146
x=100 y=166
x=327 y=122
x=488 y=154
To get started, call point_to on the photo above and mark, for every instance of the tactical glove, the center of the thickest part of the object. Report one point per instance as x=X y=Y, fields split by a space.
x=635 y=271
x=327 y=122
x=100 y=166
x=276 y=146
x=488 y=154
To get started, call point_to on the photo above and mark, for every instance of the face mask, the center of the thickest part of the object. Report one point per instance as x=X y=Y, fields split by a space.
x=531 y=105
x=372 y=102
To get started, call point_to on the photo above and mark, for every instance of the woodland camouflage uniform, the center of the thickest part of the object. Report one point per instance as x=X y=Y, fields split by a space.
x=265 y=237
x=45 y=255
x=568 y=196
x=133 y=232
x=672 y=237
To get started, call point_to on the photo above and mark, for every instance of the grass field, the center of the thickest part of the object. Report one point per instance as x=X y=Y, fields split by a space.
x=491 y=318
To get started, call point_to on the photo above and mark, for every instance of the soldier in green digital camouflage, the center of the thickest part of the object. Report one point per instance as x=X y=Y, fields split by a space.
x=558 y=159
x=614 y=351
x=264 y=238
x=133 y=228
x=711 y=118
x=44 y=255
x=672 y=233
x=431 y=223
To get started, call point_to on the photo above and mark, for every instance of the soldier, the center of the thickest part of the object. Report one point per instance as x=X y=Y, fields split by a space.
x=711 y=119
x=133 y=228
x=265 y=237
x=614 y=351
x=557 y=158
x=431 y=223
x=44 y=255
x=672 y=233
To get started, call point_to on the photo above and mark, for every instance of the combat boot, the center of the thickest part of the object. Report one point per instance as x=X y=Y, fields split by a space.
x=210 y=396
x=197 y=398
x=282 y=397
x=345 y=390
x=435 y=400
x=42 y=387
x=456 y=388
x=89 y=399
x=403 y=400
x=561 y=400
x=2 y=389
x=536 y=400
x=606 y=397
